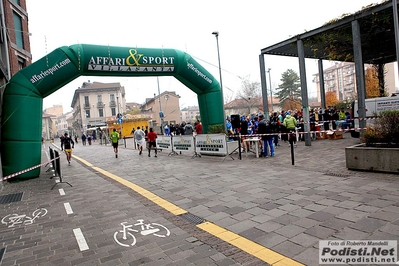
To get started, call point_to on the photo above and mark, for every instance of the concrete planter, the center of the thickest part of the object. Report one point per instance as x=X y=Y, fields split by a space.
x=360 y=157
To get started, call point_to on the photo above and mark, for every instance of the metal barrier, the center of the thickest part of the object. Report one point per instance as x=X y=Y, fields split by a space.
x=58 y=169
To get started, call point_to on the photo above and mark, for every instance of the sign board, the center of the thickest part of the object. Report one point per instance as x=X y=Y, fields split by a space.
x=211 y=144
x=164 y=143
x=183 y=143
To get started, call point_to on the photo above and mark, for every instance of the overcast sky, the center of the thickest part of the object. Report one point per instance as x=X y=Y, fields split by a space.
x=245 y=27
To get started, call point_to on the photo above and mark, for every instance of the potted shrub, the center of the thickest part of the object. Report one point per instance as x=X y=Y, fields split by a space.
x=380 y=148
x=384 y=131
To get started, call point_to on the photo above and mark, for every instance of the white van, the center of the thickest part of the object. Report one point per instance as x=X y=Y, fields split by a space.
x=373 y=107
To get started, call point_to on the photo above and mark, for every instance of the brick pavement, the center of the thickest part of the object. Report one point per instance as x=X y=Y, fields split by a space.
x=285 y=208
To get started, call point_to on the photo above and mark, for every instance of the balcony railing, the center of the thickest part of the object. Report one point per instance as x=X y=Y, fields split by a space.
x=86 y=106
x=112 y=103
x=100 y=105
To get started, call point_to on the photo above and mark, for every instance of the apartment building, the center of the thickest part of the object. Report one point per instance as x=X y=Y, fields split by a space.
x=14 y=40
x=341 y=79
x=94 y=102
x=190 y=114
x=163 y=107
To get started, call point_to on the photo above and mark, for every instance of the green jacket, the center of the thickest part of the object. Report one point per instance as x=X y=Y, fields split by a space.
x=342 y=115
x=289 y=122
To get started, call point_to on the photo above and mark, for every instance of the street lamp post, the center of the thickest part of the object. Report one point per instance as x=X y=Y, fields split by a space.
x=106 y=129
x=216 y=33
x=160 y=106
x=271 y=93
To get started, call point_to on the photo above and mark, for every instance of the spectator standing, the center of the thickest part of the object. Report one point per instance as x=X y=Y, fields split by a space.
x=114 y=136
x=274 y=124
x=198 y=127
x=151 y=137
x=167 y=129
x=250 y=129
x=84 y=139
x=327 y=118
x=188 y=129
x=341 y=114
x=334 y=117
x=290 y=124
x=243 y=131
x=347 y=123
x=264 y=127
x=182 y=128
x=172 y=129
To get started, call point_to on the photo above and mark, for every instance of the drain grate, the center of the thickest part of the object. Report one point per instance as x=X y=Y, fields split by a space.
x=11 y=198
x=337 y=174
x=192 y=218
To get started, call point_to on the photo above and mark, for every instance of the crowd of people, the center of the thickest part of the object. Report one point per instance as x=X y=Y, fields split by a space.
x=271 y=131
x=279 y=124
x=183 y=128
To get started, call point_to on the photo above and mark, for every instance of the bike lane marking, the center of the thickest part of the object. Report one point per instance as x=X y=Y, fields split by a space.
x=267 y=255
x=68 y=208
x=80 y=239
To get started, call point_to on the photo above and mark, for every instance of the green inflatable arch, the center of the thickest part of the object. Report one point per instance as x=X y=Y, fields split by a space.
x=21 y=129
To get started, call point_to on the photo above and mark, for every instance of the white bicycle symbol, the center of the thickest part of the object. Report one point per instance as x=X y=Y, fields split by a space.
x=125 y=238
x=17 y=219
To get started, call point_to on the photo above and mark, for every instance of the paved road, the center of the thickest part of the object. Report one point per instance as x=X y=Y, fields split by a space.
x=254 y=211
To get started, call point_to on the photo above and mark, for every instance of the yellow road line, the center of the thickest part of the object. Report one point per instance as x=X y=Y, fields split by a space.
x=267 y=255
x=259 y=251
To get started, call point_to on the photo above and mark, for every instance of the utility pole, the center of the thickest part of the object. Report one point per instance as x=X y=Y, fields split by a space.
x=160 y=106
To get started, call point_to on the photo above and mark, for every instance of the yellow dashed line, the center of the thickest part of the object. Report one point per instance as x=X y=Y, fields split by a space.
x=256 y=250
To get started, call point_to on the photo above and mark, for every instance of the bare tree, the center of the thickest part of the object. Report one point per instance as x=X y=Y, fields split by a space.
x=250 y=90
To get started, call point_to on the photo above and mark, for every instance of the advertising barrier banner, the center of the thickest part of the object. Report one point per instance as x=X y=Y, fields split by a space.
x=211 y=144
x=164 y=143
x=183 y=143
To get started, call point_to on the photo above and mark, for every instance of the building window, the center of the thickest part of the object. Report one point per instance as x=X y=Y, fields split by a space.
x=19 y=38
x=87 y=101
x=101 y=112
x=87 y=113
x=99 y=98
x=21 y=63
x=113 y=111
x=112 y=97
x=18 y=2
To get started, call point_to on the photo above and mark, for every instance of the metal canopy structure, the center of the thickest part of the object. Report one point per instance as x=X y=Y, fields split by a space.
x=333 y=41
x=367 y=36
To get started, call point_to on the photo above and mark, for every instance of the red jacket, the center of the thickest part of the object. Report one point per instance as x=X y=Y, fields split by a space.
x=198 y=128
x=151 y=136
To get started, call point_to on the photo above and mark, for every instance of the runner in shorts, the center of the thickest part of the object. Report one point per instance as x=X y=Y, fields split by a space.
x=67 y=144
x=139 y=137
x=152 y=136
x=114 y=136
